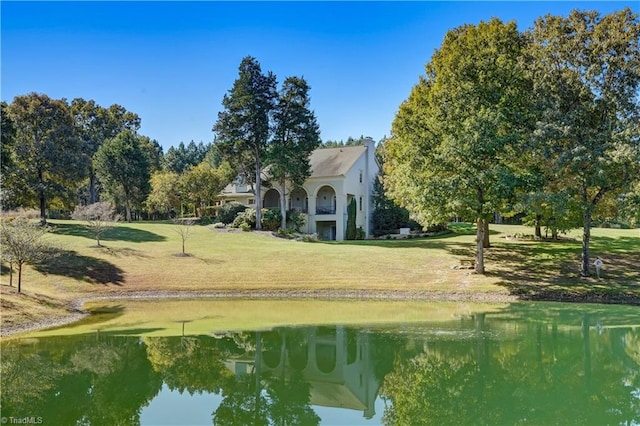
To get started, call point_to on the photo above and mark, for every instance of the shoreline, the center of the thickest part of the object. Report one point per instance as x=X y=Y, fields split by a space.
x=76 y=312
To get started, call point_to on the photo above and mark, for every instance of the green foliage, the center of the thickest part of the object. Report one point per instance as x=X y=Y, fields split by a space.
x=296 y=219
x=200 y=184
x=360 y=234
x=242 y=128
x=270 y=219
x=455 y=138
x=179 y=159
x=47 y=152
x=296 y=136
x=584 y=69
x=387 y=216
x=228 y=211
x=164 y=196
x=94 y=125
x=123 y=168
x=351 y=220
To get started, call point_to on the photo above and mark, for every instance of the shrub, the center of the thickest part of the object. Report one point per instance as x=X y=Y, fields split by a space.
x=296 y=220
x=229 y=211
x=271 y=219
x=360 y=234
x=245 y=227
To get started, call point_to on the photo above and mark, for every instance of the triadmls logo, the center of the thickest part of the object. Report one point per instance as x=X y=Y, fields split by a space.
x=28 y=420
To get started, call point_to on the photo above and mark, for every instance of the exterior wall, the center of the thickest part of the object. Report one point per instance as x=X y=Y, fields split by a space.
x=356 y=183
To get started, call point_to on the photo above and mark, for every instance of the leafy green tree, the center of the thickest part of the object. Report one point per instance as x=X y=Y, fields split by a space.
x=7 y=140
x=47 y=151
x=164 y=196
x=94 y=125
x=455 y=138
x=296 y=136
x=122 y=166
x=23 y=242
x=586 y=79
x=243 y=126
x=199 y=185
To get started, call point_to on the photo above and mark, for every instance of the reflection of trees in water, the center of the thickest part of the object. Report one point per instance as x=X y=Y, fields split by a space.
x=530 y=375
x=84 y=381
x=474 y=370
x=194 y=364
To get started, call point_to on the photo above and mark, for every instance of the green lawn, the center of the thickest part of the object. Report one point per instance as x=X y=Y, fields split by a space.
x=141 y=257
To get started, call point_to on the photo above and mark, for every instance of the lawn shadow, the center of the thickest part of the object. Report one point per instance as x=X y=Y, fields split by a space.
x=117 y=233
x=69 y=263
x=550 y=271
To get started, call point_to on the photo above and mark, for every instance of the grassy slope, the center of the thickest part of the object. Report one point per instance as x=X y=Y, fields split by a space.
x=141 y=257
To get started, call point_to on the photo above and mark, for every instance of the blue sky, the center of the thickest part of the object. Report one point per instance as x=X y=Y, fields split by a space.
x=172 y=62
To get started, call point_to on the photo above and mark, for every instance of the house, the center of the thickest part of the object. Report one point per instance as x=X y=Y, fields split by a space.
x=338 y=175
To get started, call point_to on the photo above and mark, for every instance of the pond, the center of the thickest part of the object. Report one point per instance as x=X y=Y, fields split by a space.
x=520 y=363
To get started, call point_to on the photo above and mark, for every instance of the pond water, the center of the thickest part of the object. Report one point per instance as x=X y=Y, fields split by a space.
x=523 y=363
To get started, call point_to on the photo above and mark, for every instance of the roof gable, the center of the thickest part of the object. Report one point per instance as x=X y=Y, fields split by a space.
x=334 y=161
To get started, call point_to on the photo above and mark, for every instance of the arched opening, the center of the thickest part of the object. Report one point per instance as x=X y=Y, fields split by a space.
x=326 y=200
x=271 y=199
x=298 y=200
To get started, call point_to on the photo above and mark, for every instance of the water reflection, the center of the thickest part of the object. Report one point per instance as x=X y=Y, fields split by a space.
x=527 y=364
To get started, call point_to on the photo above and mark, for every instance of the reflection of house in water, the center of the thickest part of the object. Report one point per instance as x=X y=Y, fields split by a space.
x=335 y=361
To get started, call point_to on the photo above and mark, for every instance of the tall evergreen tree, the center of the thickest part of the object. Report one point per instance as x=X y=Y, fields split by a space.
x=242 y=128
x=296 y=135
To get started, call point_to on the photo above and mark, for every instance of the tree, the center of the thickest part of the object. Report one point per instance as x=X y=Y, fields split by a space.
x=164 y=196
x=296 y=136
x=455 y=138
x=242 y=128
x=200 y=184
x=7 y=140
x=183 y=227
x=123 y=168
x=23 y=243
x=47 y=151
x=100 y=217
x=351 y=220
x=181 y=158
x=94 y=125
x=585 y=70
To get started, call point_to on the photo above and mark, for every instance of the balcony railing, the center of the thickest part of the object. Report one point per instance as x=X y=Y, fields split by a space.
x=325 y=210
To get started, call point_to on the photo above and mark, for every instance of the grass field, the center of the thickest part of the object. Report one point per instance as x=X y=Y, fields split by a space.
x=142 y=257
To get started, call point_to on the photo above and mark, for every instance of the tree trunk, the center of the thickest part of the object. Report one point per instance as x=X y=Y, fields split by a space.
x=586 y=236
x=538 y=227
x=43 y=207
x=127 y=211
x=485 y=239
x=283 y=205
x=10 y=274
x=93 y=196
x=479 y=268
x=258 y=196
x=19 y=277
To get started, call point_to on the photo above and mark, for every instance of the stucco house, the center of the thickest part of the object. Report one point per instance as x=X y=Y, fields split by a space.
x=338 y=175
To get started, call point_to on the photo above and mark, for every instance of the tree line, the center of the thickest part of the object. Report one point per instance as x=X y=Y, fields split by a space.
x=57 y=154
x=543 y=123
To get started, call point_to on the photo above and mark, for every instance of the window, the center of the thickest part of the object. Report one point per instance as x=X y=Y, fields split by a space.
x=360 y=176
x=360 y=203
x=252 y=201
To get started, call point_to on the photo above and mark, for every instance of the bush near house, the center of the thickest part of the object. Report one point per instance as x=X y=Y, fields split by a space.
x=228 y=211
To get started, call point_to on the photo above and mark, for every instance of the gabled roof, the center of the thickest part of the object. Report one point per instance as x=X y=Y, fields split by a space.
x=334 y=161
